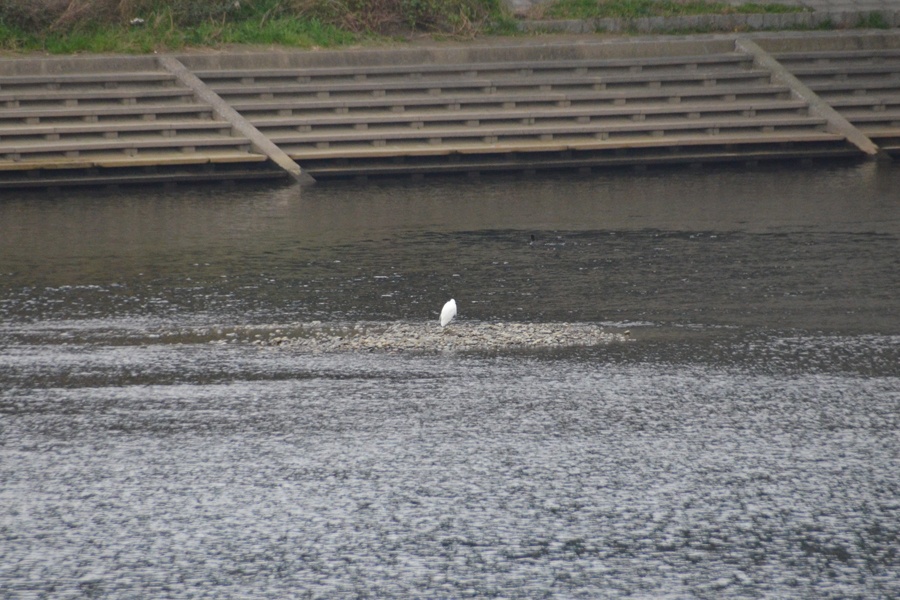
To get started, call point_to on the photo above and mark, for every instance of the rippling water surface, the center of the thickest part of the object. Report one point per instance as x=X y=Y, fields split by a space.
x=744 y=443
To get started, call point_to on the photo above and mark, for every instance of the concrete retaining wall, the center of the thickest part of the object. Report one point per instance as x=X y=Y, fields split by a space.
x=486 y=105
x=460 y=54
x=748 y=22
x=12 y=67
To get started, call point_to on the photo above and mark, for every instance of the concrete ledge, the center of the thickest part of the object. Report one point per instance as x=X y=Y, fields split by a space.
x=476 y=52
x=463 y=147
x=754 y=22
x=118 y=160
x=827 y=41
x=10 y=67
x=514 y=51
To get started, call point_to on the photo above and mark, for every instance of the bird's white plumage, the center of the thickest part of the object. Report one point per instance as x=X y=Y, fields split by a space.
x=448 y=312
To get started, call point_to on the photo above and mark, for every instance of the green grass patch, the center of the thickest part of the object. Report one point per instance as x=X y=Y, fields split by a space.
x=874 y=21
x=146 y=39
x=107 y=25
x=632 y=9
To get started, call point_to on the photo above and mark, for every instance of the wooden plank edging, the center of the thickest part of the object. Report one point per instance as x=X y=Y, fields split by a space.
x=836 y=123
x=260 y=142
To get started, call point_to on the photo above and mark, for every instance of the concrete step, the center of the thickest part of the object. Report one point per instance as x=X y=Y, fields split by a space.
x=493 y=85
x=78 y=85
x=473 y=116
x=873 y=100
x=116 y=175
x=512 y=100
x=113 y=128
x=889 y=121
x=847 y=78
x=856 y=86
x=474 y=69
x=545 y=132
x=881 y=108
x=872 y=115
x=466 y=147
x=437 y=110
x=538 y=72
x=878 y=132
x=146 y=158
x=867 y=56
x=816 y=73
x=86 y=112
x=122 y=120
x=104 y=79
x=436 y=72
x=572 y=158
x=13 y=150
x=74 y=97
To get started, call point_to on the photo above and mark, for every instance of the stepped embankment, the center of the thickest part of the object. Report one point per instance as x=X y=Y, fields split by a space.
x=522 y=104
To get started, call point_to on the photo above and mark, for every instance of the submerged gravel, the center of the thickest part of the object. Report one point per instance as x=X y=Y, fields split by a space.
x=429 y=337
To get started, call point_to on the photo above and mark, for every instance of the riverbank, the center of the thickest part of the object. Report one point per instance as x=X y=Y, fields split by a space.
x=533 y=103
x=147 y=26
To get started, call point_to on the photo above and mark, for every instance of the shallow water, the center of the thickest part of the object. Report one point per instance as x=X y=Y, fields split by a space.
x=744 y=442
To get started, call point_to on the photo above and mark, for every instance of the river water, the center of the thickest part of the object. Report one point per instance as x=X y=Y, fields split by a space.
x=744 y=442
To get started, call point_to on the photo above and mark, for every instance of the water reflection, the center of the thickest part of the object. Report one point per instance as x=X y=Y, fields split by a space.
x=155 y=223
x=808 y=247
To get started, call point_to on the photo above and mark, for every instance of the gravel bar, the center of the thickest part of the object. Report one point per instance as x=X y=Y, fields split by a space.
x=430 y=337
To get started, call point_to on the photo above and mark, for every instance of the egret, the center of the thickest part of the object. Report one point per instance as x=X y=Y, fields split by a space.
x=448 y=312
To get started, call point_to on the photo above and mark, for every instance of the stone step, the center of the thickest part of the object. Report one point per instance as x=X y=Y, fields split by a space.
x=525 y=85
x=872 y=116
x=874 y=101
x=544 y=132
x=166 y=127
x=101 y=79
x=571 y=158
x=891 y=69
x=74 y=97
x=459 y=73
x=441 y=113
x=146 y=158
x=536 y=71
x=789 y=59
x=876 y=131
x=728 y=61
x=417 y=118
x=855 y=86
x=186 y=143
x=94 y=113
x=511 y=100
x=356 y=151
x=136 y=175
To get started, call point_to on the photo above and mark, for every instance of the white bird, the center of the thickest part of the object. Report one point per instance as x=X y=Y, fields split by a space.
x=448 y=312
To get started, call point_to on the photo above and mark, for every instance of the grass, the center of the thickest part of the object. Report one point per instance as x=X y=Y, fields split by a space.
x=105 y=25
x=631 y=9
x=875 y=21
x=161 y=36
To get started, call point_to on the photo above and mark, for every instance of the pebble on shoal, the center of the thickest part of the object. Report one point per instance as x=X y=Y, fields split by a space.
x=429 y=337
